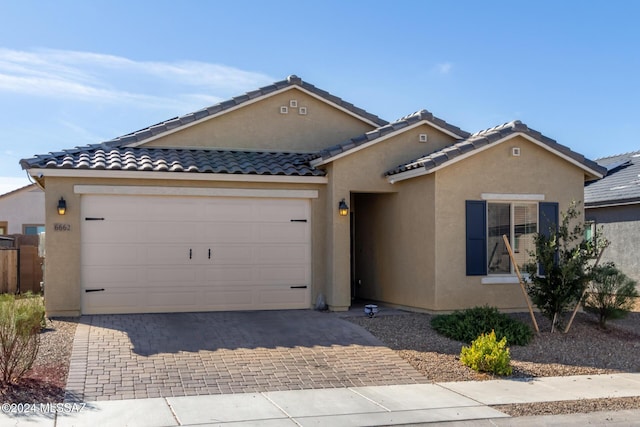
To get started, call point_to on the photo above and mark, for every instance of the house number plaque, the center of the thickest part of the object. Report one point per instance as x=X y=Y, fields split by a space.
x=61 y=227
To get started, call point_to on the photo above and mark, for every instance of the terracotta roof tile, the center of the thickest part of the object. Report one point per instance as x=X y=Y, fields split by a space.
x=178 y=160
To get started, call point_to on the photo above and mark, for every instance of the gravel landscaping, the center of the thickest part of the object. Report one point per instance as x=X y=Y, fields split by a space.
x=585 y=350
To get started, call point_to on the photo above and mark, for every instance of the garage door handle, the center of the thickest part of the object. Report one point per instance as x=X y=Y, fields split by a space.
x=190 y=253
x=299 y=287
x=298 y=220
x=209 y=253
x=94 y=290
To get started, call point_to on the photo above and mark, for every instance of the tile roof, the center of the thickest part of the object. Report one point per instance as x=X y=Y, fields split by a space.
x=620 y=186
x=177 y=122
x=418 y=116
x=489 y=136
x=100 y=157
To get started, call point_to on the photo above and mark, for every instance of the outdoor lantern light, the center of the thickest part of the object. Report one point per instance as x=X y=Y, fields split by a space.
x=62 y=206
x=343 y=209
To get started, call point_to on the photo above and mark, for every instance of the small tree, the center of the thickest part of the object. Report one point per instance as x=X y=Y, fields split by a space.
x=611 y=294
x=20 y=324
x=561 y=270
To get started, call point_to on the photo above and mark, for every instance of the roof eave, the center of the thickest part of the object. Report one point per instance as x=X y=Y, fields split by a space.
x=181 y=176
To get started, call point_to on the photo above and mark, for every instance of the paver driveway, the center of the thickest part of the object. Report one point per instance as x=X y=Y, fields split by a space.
x=186 y=354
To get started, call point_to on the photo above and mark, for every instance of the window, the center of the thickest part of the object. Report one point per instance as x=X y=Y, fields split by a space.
x=519 y=222
x=3 y=227
x=486 y=222
x=32 y=229
x=589 y=230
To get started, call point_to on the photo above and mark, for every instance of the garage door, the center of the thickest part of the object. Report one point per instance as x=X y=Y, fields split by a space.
x=144 y=254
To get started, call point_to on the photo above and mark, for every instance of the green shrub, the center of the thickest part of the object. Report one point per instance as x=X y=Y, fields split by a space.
x=20 y=323
x=468 y=324
x=487 y=354
x=611 y=294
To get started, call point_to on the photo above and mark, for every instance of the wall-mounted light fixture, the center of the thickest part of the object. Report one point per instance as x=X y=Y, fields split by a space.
x=343 y=209
x=62 y=206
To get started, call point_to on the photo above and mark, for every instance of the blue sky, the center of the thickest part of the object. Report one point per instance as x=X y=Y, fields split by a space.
x=78 y=72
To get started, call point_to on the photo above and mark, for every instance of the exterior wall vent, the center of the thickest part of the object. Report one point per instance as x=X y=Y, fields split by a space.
x=302 y=111
x=515 y=151
x=284 y=110
x=293 y=103
x=422 y=137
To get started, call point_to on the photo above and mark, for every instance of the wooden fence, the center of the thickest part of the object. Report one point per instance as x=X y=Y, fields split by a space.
x=9 y=270
x=20 y=266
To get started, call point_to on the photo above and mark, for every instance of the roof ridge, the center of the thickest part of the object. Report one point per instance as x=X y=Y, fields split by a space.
x=629 y=153
x=513 y=124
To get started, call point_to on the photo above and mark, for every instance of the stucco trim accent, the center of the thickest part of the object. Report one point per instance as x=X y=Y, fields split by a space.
x=321 y=161
x=181 y=176
x=245 y=104
x=203 y=192
x=505 y=196
x=502 y=280
x=422 y=171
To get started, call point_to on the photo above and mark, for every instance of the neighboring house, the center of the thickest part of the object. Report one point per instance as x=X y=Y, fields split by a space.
x=22 y=211
x=613 y=203
x=239 y=207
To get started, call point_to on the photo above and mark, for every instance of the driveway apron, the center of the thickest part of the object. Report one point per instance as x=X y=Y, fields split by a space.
x=186 y=354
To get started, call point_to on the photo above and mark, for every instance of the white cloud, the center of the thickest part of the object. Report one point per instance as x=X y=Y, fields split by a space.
x=444 y=67
x=110 y=79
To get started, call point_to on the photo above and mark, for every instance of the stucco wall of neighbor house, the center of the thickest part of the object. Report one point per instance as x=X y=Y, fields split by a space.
x=621 y=226
x=62 y=266
x=493 y=170
x=261 y=126
x=24 y=206
x=362 y=172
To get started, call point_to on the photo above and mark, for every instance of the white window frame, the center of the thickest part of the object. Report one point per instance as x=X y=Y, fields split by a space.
x=511 y=199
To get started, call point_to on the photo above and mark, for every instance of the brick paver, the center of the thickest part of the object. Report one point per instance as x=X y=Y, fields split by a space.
x=186 y=354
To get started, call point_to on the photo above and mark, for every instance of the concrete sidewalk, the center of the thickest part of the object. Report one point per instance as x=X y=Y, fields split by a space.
x=457 y=404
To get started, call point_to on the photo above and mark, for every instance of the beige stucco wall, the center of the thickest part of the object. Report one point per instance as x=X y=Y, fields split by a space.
x=62 y=265
x=22 y=207
x=494 y=170
x=261 y=126
x=395 y=240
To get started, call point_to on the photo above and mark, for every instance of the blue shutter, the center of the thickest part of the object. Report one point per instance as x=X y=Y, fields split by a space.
x=476 y=234
x=547 y=217
x=547 y=221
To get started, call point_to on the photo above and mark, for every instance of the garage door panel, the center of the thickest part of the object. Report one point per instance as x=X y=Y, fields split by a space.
x=169 y=254
x=111 y=232
x=176 y=275
x=229 y=274
x=291 y=254
x=286 y=275
x=140 y=253
x=109 y=254
x=283 y=232
x=285 y=210
x=227 y=232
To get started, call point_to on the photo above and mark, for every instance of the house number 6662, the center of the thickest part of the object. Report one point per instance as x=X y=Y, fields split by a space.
x=61 y=227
